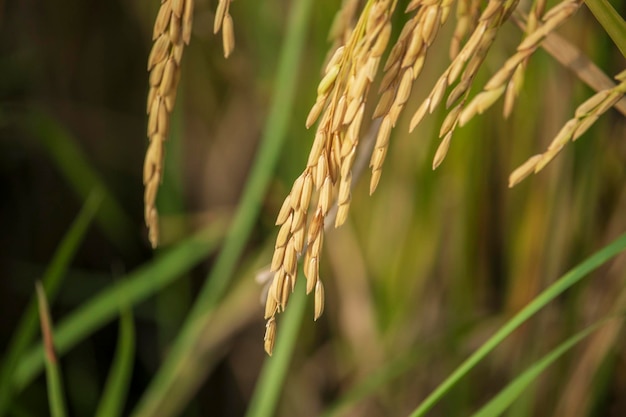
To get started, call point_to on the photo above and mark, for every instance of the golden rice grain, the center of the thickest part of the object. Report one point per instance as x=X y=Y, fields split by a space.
x=271 y=304
x=523 y=171
x=452 y=118
x=270 y=335
x=591 y=103
x=584 y=125
x=419 y=114
x=442 y=150
x=319 y=300
x=224 y=22
x=513 y=89
x=219 y=16
x=228 y=35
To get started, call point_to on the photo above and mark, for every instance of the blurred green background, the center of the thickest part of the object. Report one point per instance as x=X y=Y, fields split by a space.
x=422 y=273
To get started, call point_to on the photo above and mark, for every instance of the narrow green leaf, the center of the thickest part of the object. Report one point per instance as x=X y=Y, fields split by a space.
x=134 y=288
x=53 y=373
x=505 y=398
x=51 y=281
x=549 y=294
x=116 y=388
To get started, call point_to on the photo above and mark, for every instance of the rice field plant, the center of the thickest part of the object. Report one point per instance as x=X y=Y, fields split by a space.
x=313 y=208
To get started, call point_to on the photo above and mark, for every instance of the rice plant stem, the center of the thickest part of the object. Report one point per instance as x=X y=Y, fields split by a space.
x=250 y=203
x=566 y=281
x=610 y=20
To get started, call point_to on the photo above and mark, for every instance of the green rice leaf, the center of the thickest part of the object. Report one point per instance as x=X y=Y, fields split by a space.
x=116 y=388
x=505 y=398
x=610 y=20
x=549 y=294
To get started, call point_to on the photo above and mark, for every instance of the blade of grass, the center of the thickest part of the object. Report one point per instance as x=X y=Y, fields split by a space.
x=249 y=206
x=77 y=171
x=135 y=287
x=505 y=398
x=272 y=378
x=562 y=284
x=51 y=281
x=610 y=20
x=53 y=373
x=116 y=389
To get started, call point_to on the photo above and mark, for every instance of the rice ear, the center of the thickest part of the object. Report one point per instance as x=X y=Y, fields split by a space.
x=172 y=27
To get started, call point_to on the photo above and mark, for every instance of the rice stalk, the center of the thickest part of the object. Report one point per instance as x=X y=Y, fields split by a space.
x=403 y=66
x=340 y=105
x=508 y=79
x=339 y=111
x=172 y=31
x=584 y=117
x=465 y=65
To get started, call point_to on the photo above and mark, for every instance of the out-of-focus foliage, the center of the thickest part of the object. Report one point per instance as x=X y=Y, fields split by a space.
x=422 y=273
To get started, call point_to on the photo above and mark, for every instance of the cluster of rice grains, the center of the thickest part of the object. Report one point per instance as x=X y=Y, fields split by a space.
x=359 y=44
x=340 y=108
x=172 y=32
x=586 y=115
